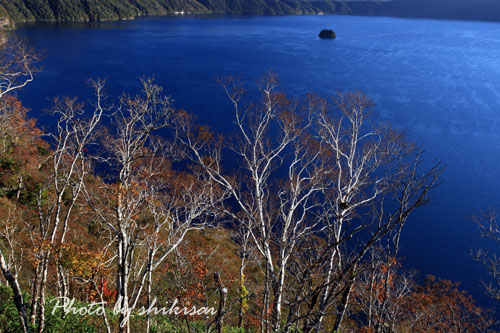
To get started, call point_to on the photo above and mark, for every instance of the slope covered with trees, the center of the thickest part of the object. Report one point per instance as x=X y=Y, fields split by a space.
x=97 y=10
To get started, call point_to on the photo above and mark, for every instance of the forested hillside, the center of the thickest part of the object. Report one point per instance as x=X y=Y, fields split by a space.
x=100 y=10
x=97 y=10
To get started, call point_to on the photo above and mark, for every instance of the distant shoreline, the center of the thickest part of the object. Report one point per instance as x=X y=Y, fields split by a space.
x=219 y=15
x=14 y=12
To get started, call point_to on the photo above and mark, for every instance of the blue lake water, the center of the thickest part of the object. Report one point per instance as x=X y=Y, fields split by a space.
x=437 y=80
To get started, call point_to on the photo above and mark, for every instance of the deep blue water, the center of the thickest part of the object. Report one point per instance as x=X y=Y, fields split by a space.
x=437 y=80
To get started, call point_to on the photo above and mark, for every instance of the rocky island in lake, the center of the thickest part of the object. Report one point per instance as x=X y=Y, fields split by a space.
x=327 y=34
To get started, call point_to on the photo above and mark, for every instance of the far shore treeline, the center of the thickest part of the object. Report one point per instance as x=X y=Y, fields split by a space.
x=16 y=11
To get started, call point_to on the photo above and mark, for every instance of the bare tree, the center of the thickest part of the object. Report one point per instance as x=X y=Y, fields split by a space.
x=490 y=229
x=311 y=171
x=153 y=206
x=17 y=67
x=69 y=165
x=128 y=153
x=381 y=291
x=370 y=165
x=271 y=139
x=10 y=276
x=242 y=236
x=177 y=204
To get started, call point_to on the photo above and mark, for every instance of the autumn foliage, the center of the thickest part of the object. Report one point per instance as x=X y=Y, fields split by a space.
x=120 y=215
x=388 y=299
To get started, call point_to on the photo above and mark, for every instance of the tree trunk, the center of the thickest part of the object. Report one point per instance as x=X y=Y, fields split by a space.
x=331 y=265
x=242 y=285
x=16 y=289
x=34 y=295
x=219 y=319
x=150 y=277
x=123 y=291
x=277 y=284
x=342 y=308
x=43 y=284
x=264 y=316
x=62 y=285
